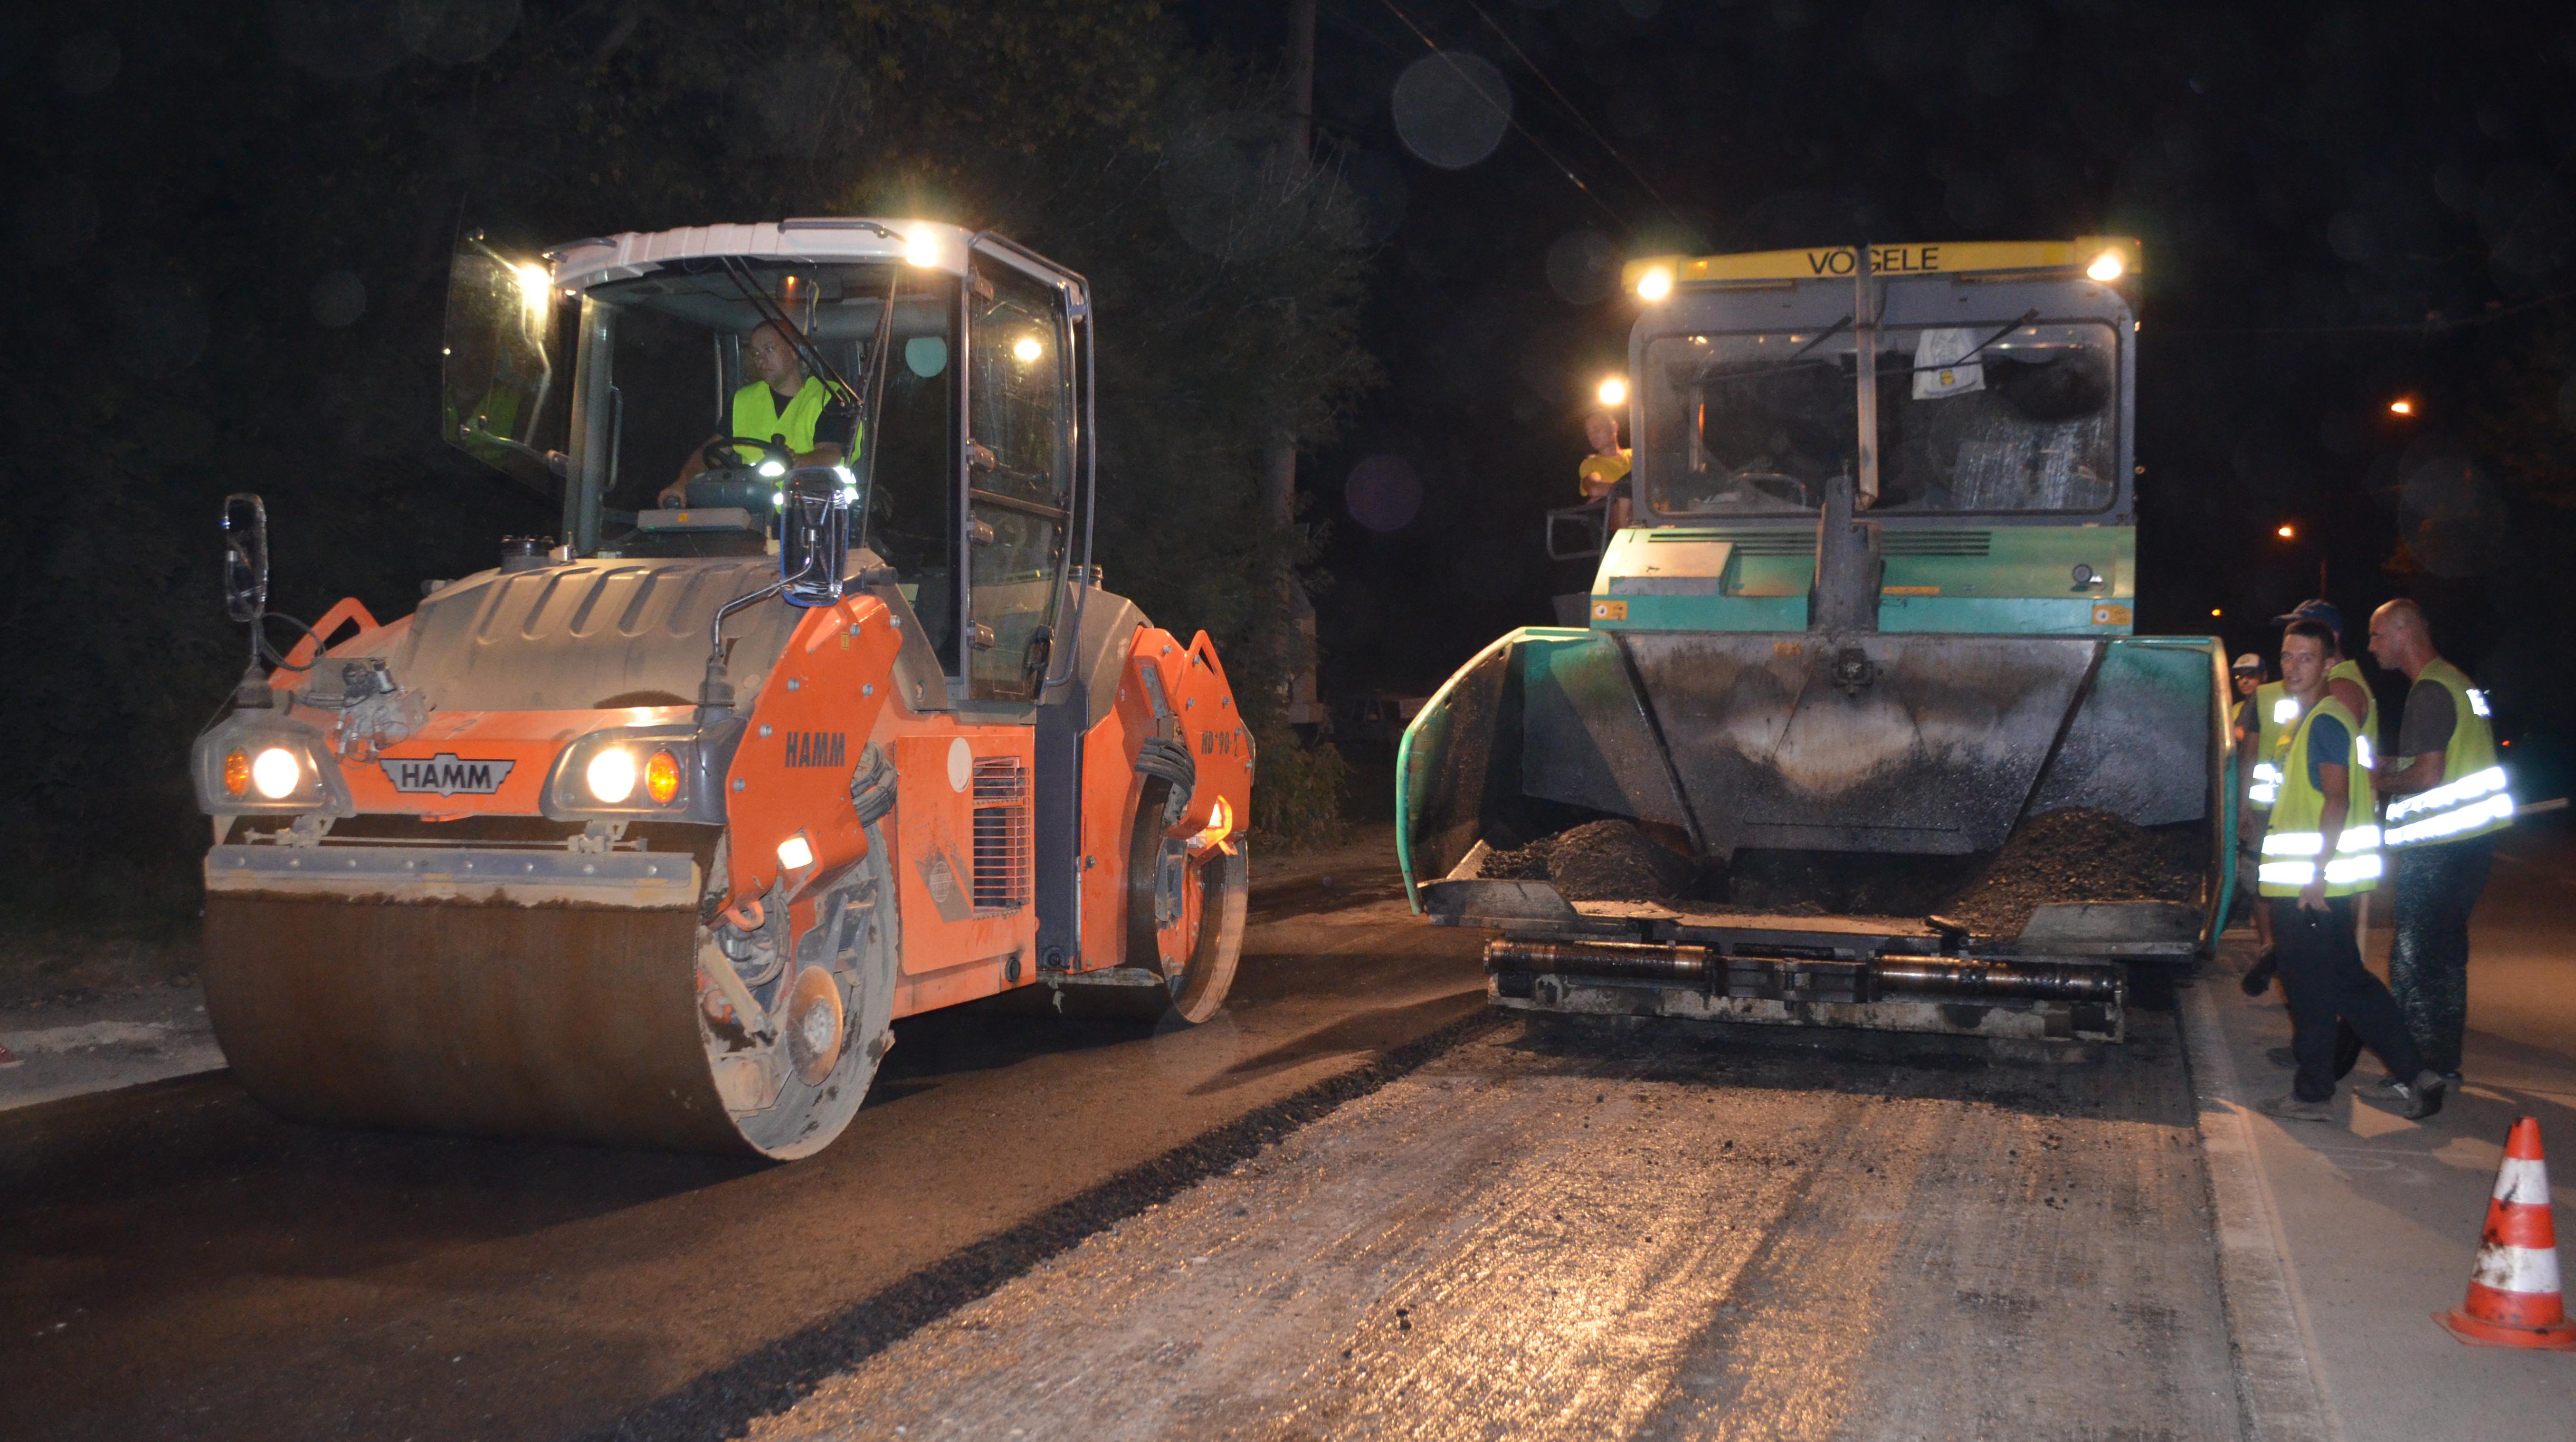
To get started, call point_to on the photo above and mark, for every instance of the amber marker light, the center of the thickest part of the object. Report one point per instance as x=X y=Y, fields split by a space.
x=237 y=772
x=662 y=778
x=1613 y=391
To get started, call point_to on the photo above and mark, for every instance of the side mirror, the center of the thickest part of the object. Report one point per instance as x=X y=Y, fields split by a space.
x=814 y=533
x=245 y=527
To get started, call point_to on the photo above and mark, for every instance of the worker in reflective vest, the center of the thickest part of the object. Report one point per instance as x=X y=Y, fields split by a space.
x=2280 y=712
x=782 y=405
x=2257 y=744
x=2449 y=800
x=2321 y=851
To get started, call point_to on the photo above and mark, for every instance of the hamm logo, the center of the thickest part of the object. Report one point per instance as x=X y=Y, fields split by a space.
x=448 y=774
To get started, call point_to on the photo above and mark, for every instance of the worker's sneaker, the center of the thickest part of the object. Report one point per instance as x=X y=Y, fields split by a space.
x=2422 y=1096
x=2293 y=1109
x=2259 y=980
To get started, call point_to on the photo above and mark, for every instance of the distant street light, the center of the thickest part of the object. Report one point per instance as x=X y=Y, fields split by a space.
x=2287 y=533
x=2402 y=406
x=1613 y=391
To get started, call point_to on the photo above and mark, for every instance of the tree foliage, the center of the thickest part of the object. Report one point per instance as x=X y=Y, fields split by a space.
x=232 y=269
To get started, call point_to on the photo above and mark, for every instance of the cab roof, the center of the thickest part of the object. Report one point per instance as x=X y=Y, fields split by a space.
x=2084 y=255
x=929 y=244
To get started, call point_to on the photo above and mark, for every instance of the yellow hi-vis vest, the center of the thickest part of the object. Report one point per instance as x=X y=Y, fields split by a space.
x=756 y=416
x=2297 y=838
x=2278 y=711
x=2275 y=712
x=2472 y=799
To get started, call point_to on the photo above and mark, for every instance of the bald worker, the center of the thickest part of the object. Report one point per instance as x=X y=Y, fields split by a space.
x=2447 y=803
x=782 y=404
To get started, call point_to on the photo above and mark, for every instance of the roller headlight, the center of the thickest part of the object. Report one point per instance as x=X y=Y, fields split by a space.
x=611 y=776
x=263 y=764
x=668 y=770
x=276 y=772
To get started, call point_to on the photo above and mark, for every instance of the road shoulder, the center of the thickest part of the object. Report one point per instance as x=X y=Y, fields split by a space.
x=2276 y=1375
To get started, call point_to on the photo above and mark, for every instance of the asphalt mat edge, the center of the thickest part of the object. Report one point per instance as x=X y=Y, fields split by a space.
x=722 y=1403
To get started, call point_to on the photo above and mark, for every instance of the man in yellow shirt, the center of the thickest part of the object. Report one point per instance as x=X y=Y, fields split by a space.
x=781 y=404
x=1604 y=473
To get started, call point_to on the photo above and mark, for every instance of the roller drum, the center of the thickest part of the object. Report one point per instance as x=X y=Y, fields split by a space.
x=563 y=1022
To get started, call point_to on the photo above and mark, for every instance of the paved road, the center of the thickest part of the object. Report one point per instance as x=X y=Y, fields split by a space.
x=1563 y=1231
x=2378 y=1218
x=1567 y=1231
x=176 y=1263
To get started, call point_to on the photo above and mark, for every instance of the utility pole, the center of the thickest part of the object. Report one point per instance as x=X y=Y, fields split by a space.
x=1279 y=458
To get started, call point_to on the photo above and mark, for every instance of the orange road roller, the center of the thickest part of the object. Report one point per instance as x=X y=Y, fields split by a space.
x=815 y=715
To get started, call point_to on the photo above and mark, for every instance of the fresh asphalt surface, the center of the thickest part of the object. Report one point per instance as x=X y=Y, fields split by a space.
x=1355 y=1205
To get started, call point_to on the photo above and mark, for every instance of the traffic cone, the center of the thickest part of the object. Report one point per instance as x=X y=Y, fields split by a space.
x=2513 y=1289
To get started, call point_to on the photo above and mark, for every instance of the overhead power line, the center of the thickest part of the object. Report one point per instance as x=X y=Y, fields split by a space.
x=1566 y=103
x=1621 y=221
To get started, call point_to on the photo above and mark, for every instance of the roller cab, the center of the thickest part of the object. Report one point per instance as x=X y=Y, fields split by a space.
x=1859 y=731
x=648 y=834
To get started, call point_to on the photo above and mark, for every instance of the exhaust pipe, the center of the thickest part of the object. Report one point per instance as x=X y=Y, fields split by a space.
x=1862 y=980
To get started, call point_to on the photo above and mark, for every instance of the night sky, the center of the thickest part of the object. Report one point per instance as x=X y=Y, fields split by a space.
x=2340 y=205
x=231 y=236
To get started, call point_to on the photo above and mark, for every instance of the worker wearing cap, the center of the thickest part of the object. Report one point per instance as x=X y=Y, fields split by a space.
x=2323 y=850
x=782 y=404
x=1604 y=473
x=2258 y=739
x=2281 y=712
x=2448 y=802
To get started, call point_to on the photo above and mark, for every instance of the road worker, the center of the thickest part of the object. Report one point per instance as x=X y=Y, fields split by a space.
x=2258 y=744
x=2448 y=801
x=2323 y=850
x=1604 y=473
x=781 y=404
x=2279 y=710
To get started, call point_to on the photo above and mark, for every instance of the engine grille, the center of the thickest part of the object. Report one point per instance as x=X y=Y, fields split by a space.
x=1001 y=881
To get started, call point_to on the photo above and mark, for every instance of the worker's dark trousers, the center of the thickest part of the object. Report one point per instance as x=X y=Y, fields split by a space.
x=2321 y=971
x=2428 y=961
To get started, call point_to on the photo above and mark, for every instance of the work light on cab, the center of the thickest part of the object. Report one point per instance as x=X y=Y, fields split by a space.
x=611 y=776
x=2107 y=267
x=1655 y=284
x=661 y=777
x=1613 y=391
x=275 y=772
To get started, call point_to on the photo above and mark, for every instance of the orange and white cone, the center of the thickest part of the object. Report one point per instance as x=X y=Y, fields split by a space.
x=2514 y=1299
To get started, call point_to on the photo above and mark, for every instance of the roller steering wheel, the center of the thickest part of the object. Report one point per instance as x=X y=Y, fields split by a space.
x=720 y=455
